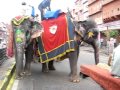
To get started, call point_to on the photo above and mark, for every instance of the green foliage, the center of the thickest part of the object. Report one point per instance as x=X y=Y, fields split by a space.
x=114 y=33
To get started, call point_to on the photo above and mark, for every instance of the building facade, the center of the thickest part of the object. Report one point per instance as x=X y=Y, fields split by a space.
x=111 y=14
x=80 y=12
x=106 y=13
x=85 y=9
x=95 y=10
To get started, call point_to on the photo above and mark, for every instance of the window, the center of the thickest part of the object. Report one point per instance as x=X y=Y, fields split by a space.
x=118 y=9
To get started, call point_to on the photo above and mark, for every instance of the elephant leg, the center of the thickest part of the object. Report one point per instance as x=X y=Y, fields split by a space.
x=19 y=54
x=96 y=52
x=73 y=58
x=44 y=67
x=29 y=57
x=51 y=65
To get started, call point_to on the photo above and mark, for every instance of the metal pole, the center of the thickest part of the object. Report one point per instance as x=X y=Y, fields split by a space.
x=108 y=41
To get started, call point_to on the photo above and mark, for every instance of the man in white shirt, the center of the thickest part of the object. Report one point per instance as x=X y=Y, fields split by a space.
x=26 y=10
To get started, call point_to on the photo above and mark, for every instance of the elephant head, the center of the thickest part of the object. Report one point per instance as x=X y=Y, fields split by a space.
x=88 y=32
x=24 y=30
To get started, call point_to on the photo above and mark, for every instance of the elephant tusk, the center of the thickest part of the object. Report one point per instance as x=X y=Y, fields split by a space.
x=79 y=33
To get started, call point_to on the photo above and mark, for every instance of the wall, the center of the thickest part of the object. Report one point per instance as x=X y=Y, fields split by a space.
x=97 y=17
x=91 y=1
x=111 y=9
x=95 y=7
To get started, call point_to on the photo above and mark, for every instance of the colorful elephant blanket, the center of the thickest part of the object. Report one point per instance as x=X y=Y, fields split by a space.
x=57 y=38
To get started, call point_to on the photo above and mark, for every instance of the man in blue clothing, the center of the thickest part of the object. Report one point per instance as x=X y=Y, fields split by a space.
x=45 y=4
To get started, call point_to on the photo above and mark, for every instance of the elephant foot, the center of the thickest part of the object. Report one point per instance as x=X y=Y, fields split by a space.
x=52 y=68
x=45 y=68
x=27 y=73
x=51 y=65
x=18 y=77
x=74 y=79
x=22 y=74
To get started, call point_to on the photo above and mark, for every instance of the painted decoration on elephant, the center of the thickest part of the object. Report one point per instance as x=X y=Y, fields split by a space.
x=53 y=29
x=19 y=36
x=19 y=19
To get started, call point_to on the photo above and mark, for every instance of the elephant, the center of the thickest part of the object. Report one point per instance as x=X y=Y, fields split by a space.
x=24 y=29
x=83 y=31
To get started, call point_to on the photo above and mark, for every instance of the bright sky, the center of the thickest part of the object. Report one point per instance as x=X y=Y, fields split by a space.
x=11 y=8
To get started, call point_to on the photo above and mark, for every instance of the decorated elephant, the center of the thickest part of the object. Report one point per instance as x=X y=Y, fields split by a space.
x=78 y=31
x=24 y=30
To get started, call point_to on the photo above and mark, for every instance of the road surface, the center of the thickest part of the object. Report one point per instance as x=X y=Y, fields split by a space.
x=58 y=80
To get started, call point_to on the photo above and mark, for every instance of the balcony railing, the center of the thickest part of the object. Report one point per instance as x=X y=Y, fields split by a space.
x=111 y=13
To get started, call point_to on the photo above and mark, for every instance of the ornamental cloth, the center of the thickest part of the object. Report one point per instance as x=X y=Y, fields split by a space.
x=57 y=38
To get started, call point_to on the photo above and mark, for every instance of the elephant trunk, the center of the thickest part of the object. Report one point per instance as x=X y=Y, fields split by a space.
x=19 y=56
x=96 y=52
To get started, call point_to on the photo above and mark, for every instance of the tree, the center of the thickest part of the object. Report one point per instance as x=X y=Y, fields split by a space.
x=114 y=33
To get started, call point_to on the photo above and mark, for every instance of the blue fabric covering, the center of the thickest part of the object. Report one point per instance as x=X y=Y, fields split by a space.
x=52 y=14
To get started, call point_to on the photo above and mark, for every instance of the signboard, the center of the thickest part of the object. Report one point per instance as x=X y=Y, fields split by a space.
x=112 y=26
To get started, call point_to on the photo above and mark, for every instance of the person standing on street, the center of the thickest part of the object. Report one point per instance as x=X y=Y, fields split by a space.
x=115 y=66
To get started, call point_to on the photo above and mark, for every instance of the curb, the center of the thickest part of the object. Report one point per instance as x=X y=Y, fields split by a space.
x=8 y=77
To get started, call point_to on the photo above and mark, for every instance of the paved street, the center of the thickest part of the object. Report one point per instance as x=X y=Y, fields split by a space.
x=58 y=80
